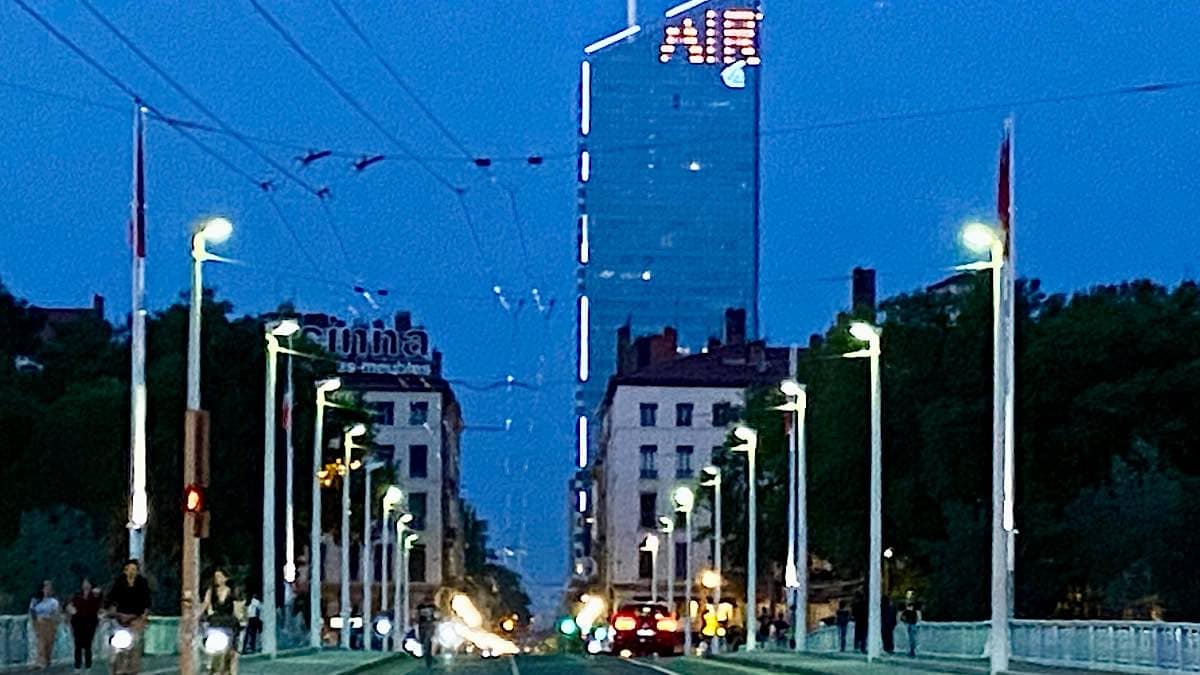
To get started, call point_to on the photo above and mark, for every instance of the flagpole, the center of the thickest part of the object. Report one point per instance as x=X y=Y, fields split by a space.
x=138 y=500
x=289 y=553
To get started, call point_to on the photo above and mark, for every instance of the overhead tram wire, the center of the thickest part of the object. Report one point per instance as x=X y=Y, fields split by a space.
x=353 y=102
x=135 y=96
x=183 y=91
x=445 y=130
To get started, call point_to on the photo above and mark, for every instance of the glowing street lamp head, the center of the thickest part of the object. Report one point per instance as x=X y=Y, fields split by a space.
x=863 y=331
x=749 y=438
x=283 y=328
x=651 y=543
x=215 y=230
x=328 y=385
x=668 y=524
x=791 y=388
x=978 y=237
x=710 y=579
x=684 y=498
x=406 y=518
x=357 y=430
x=392 y=497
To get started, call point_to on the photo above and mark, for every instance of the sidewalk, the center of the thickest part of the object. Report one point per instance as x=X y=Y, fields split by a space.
x=839 y=664
x=291 y=662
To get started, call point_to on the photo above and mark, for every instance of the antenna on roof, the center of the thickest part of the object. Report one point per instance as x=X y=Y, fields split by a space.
x=631 y=13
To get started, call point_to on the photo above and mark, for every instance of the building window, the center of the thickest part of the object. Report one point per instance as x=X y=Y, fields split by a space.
x=416 y=563
x=649 y=510
x=649 y=414
x=683 y=461
x=383 y=413
x=418 y=413
x=418 y=461
x=386 y=453
x=725 y=413
x=680 y=560
x=649 y=466
x=683 y=414
x=418 y=508
x=645 y=564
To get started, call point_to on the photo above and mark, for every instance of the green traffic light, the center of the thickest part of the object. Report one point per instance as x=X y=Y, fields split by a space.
x=567 y=626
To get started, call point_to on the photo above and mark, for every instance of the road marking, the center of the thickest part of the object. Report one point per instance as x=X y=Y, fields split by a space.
x=707 y=662
x=512 y=665
x=650 y=666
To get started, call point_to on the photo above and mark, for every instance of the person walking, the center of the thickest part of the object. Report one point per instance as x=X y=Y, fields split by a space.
x=218 y=611
x=910 y=616
x=254 y=623
x=129 y=602
x=843 y=623
x=44 y=612
x=859 y=611
x=887 y=614
x=84 y=610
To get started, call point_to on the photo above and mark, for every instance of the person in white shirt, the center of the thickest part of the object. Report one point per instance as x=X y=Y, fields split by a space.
x=45 y=611
x=253 y=624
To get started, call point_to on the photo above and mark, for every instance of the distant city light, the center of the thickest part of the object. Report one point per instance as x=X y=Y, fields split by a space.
x=585 y=326
x=585 y=98
x=694 y=166
x=585 y=248
x=582 y=433
x=646 y=275
x=611 y=39
x=583 y=501
x=683 y=7
x=585 y=166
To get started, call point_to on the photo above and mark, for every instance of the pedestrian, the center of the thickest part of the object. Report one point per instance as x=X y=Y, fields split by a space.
x=254 y=623
x=843 y=623
x=218 y=610
x=426 y=624
x=129 y=601
x=910 y=616
x=859 y=611
x=44 y=612
x=84 y=610
x=764 y=628
x=781 y=631
x=887 y=615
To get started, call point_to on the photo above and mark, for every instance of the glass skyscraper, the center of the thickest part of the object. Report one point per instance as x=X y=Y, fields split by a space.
x=668 y=188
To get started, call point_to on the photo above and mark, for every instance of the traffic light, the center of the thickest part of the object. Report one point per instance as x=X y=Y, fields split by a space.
x=193 y=499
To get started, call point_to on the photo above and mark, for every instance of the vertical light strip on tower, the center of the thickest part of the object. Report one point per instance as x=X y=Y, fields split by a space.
x=585 y=246
x=585 y=98
x=582 y=433
x=585 y=322
x=585 y=166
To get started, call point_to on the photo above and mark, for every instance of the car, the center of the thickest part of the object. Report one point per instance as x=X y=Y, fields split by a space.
x=642 y=628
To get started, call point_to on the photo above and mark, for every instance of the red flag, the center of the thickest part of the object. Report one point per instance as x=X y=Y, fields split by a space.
x=1004 y=196
x=285 y=412
x=137 y=221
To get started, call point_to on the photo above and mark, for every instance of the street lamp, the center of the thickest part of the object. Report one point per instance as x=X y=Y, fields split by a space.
x=651 y=545
x=368 y=567
x=714 y=481
x=684 y=500
x=406 y=545
x=208 y=231
x=274 y=331
x=865 y=332
x=400 y=561
x=391 y=499
x=667 y=527
x=749 y=445
x=796 y=572
x=344 y=611
x=315 y=613
x=981 y=238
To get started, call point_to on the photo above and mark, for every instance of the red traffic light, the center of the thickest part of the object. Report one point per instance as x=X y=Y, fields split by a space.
x=193 y=499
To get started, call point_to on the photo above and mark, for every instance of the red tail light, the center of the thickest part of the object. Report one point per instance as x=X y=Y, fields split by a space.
x=624 y=623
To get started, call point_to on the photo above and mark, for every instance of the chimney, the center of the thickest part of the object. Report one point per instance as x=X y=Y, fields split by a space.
x=757 y=357
x=815 y=341
x=862 y=290
x=626 y=359
x=713 y=343
x=666 y=346
x=98 y=305
x=735 y=326
x=403 y=321
x=435 y=369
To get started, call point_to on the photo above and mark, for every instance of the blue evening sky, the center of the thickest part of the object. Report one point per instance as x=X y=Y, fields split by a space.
x=1106 y=189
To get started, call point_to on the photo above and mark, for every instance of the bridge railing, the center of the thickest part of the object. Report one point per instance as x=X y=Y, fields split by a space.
x=1124 y=646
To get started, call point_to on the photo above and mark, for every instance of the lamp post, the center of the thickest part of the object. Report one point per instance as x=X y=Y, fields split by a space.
x=207 y=231
x=715 y=483
x=406 y=545
x=651 y=545
x=865 y=332
x=401 y=571
x=344 y=610
x=368 y=566
x=749 y=445
x=980 y=238
x=797 y=562
x=274 y=331
x=667 y=524
x=684 y=500
x=315 y=613
x=391 y=499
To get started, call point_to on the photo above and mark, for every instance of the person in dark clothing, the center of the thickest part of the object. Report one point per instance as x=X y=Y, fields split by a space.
x=888 y=617
x=859 y=612
x=763 y=634
x=85 y=616
x=910 y=615
x=781 y=631
x=843 y=623
x=426 y=624
x=129 y=600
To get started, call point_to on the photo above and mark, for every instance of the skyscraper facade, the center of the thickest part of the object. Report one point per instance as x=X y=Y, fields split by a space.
x=668 y=187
